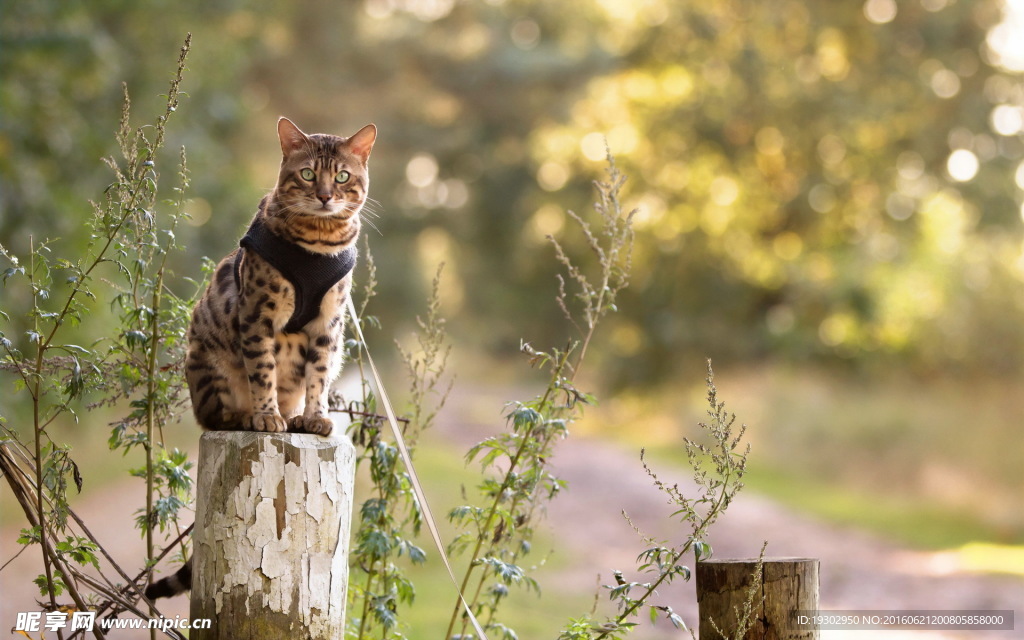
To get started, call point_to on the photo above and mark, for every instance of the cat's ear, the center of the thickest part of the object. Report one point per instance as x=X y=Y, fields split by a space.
x=361 y=142
x=292 y=138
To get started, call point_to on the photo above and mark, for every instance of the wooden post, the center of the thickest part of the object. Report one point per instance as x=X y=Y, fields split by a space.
x=788 y=585
x=273 y=514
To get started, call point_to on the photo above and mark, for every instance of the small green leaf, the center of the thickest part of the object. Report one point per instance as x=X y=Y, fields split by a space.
x=58 y=584
x=135 y=338
x=29 y=536
x=683 y=571
x=701 y=550
x=10 y=271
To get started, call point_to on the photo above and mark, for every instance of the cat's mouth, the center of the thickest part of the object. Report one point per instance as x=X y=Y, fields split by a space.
x=329 y=209
x=317 y=208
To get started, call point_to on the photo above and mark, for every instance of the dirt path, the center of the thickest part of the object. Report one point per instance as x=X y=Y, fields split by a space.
x=858 y=571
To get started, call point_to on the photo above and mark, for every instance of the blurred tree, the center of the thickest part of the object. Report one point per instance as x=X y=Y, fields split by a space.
x=63 y=65
x=814 y=180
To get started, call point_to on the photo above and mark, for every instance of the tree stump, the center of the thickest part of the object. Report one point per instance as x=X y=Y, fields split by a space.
x=788 y=585
x=271 y=541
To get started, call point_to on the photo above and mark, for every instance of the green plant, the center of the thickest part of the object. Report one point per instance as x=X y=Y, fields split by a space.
x=391 y=517
x=499 y=532
x=718 y=470
x=137 y=369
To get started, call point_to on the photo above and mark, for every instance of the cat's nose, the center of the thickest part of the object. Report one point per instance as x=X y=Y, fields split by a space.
x=324 y=197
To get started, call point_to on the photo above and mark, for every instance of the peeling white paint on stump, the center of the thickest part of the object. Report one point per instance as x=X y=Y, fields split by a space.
x=273 y=516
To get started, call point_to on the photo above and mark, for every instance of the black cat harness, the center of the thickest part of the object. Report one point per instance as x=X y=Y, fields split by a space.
x=311 y=274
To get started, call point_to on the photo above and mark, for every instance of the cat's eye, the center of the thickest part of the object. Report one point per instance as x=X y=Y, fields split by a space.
x=342 y=177
x=307 y=174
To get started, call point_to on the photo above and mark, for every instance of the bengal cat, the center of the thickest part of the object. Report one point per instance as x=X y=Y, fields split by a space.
x=265 y=342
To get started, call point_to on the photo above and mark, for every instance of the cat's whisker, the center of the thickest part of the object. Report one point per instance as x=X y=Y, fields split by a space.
x=374 y=227
x=371 y=211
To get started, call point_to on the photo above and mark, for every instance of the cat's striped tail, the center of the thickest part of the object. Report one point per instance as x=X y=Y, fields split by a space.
x=172 y=585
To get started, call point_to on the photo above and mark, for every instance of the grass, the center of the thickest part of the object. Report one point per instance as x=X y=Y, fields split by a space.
x=992 y=558
x=933 y=463
x=919 y=525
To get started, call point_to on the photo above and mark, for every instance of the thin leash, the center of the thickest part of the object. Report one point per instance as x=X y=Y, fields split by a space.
x=407 y=460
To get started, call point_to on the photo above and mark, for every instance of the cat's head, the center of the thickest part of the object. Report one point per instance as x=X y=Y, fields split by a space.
x=321 y=174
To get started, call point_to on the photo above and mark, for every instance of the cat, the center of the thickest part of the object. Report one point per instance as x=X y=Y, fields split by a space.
x=265 y=341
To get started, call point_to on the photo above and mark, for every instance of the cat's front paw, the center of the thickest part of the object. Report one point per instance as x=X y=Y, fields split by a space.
x=268 y=422
x=319 y=425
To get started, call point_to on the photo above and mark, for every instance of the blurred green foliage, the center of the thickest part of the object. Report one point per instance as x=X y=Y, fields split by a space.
x=815 y=180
